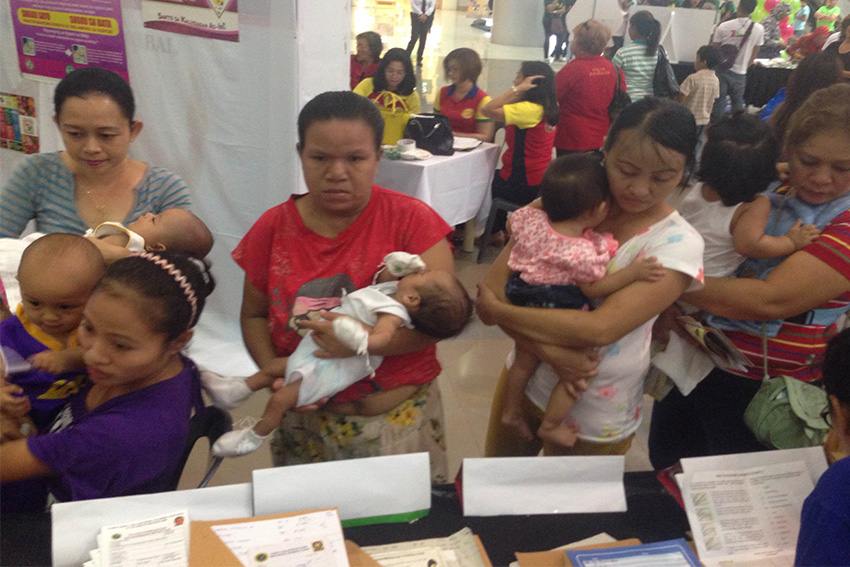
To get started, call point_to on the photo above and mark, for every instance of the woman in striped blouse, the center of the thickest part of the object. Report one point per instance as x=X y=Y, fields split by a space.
x=785 y=315
x=639 y=58
x=93 y=180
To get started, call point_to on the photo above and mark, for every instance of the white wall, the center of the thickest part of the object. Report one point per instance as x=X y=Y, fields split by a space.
x=222 y=115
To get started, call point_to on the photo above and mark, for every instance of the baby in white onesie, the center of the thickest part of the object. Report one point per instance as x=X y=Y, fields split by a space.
x=433 y=302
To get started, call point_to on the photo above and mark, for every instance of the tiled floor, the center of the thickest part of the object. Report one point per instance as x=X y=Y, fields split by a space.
x=471 y=362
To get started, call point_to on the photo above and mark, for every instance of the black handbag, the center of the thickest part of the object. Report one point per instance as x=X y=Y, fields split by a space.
x=664 y=82
x=621 y=98
x=432 y=132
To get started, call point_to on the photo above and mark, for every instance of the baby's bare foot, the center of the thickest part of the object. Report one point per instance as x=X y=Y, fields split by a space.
x=563 y=435
x=518 y=424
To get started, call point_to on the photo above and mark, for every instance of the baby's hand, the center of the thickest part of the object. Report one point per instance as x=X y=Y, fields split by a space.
x=646 y=268
x=50 y=361
x=801 y=235
x=12 y=402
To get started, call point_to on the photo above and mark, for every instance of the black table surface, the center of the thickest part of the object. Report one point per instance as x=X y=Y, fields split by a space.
x=652 y=515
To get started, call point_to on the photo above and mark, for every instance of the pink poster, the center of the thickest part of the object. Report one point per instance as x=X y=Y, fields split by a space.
x=54 y=37
x=215 y=19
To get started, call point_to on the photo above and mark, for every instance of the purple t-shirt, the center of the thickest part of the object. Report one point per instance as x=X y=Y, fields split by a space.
x=47 y=392
x=131 y=444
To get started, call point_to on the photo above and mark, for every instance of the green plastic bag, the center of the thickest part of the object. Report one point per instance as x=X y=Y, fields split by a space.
x=786 y=413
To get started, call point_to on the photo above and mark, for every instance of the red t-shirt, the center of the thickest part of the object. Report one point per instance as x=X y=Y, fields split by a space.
x=529 y=139
x=462 y=114
x=302 y=272
x=359 y=72
x=585 y=88
x=798 y=349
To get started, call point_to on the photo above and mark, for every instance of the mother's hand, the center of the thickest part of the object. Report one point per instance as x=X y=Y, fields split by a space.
x=487 y=305
x=323 y=334
x=574 y=366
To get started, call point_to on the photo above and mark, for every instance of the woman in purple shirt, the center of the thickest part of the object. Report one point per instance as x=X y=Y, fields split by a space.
x=125 y=431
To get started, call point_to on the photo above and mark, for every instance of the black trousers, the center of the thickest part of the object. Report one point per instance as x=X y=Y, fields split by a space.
x=562 y=40
x=709 y=421
x=419 y=31
x=516 y=190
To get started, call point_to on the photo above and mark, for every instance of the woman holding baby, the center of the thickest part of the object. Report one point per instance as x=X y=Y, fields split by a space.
x=302 y=256
x=93 y=180
x=646 y=153
x=789 y=307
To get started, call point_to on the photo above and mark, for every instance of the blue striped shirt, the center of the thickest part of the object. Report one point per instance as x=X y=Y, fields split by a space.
x=42 y=188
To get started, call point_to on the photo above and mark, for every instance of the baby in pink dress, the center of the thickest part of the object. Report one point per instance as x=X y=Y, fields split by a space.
x=559 y=261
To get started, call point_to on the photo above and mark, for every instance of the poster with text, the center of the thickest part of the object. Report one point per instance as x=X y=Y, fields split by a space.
x=54 y=37
x=215 y=19
x=18 y=123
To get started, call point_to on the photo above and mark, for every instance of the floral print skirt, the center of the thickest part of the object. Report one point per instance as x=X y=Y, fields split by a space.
x=415 y=425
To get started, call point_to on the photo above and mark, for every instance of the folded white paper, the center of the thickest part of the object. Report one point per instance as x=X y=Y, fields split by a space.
x=359 y=488
x=548 y=485
x=75 y=525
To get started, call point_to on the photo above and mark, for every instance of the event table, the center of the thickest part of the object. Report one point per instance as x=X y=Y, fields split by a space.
x=456 y=186
x=652 y=515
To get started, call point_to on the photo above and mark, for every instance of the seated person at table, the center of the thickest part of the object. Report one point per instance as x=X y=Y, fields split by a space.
x=433 y=302
x=57 y=275
x=463 y=100
x=124 y=432
x=825 y=523
x=559 y=262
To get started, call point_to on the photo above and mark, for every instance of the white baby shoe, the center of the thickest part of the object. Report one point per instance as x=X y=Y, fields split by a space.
x=237 y=443
x=401 y=264
x=225 y=392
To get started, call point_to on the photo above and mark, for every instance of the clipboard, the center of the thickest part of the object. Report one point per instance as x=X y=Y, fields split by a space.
x=207 y=550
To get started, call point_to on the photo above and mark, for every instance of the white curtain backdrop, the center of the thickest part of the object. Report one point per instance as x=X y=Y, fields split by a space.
x=221 y=115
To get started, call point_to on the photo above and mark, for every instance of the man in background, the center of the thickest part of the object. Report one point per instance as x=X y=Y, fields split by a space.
x=421 y=18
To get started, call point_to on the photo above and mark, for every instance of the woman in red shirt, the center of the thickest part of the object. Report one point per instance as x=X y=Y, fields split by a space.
x=585 y=87
x=463 y=100
x=365 y=61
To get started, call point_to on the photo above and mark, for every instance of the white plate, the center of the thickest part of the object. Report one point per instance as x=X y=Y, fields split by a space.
x=418 y=154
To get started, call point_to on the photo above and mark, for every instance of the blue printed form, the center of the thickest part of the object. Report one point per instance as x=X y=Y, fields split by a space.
x=673 y=553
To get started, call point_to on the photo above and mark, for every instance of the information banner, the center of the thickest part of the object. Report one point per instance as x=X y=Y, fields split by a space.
x=54 y=37
x=215 y=19
x=18 y=123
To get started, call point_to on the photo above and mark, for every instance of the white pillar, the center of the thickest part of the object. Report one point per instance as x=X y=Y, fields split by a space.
x=518 y=23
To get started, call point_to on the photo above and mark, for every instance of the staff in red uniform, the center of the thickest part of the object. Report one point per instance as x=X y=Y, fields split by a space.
x=463 y=100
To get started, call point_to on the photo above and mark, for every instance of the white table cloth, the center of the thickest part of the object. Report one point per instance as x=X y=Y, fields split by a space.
x=456 y=186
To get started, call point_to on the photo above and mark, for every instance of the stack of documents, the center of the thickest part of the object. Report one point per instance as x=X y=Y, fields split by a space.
x=461 y=549
x=311 y=537
x=162 y=541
